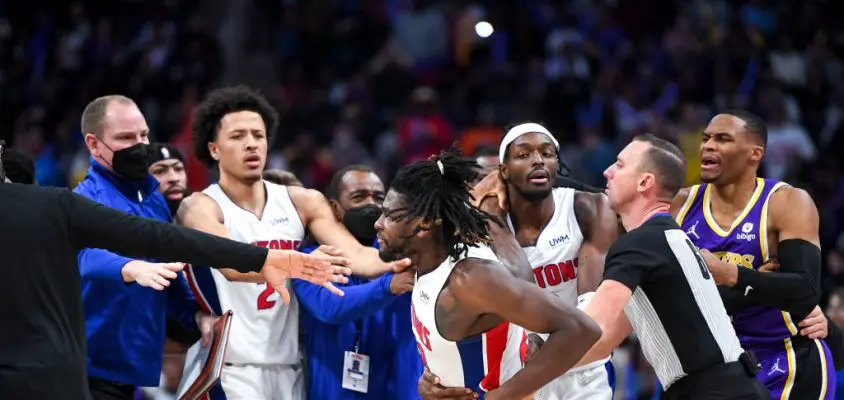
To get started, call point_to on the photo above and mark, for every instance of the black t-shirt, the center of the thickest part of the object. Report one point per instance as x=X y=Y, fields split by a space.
x=675 y=309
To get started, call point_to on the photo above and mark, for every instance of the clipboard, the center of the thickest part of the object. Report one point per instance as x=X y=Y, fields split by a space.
x=212 y=357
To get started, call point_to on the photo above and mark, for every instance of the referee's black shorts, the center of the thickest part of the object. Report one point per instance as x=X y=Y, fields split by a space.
x=730 y=381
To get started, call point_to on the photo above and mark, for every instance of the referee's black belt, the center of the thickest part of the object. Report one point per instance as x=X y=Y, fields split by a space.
x=746 y=366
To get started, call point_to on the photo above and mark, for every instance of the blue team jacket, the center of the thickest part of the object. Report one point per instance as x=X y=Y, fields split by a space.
x=328 y=329
x=125 y=323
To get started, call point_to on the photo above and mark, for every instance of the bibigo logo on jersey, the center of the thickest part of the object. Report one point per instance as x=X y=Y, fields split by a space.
x=745 y=233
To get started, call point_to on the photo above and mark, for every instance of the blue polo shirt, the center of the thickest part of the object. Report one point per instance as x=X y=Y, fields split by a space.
x=125 y=322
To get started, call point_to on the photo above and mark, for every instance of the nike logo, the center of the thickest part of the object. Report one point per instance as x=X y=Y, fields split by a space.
x=747 y=290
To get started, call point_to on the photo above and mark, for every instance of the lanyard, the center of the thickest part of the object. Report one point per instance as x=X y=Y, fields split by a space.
x=358 y=324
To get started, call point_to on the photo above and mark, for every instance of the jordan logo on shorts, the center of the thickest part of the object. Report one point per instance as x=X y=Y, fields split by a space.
x=775 y=367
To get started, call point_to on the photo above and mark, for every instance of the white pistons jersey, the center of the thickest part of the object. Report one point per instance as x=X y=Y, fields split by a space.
x=554 y=258
x=481 y=363
x=264 y=330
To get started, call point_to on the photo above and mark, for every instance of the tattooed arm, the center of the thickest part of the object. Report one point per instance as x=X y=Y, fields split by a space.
x=483 y=287
x=600 y=228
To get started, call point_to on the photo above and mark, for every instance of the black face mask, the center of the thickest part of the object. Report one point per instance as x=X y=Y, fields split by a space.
x=360 y=221
x=132 y=162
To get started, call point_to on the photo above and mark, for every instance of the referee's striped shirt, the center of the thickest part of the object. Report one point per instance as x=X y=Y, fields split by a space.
x=675 y=310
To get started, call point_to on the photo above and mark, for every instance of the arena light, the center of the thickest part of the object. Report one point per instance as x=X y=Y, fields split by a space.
x=484 y=29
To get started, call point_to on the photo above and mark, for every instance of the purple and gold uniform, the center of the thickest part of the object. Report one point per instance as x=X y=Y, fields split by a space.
x=793 y=367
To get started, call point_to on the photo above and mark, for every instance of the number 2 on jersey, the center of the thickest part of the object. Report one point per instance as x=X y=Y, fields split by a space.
x=264 y=302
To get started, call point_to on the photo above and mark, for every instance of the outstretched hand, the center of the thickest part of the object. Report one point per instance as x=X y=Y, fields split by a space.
x=491 y=186
x=317 y=268
x=331 y=251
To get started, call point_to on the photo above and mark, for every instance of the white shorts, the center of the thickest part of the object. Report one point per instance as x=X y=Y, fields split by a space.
x=589 y=382
x=257 y=382
x=263 y=382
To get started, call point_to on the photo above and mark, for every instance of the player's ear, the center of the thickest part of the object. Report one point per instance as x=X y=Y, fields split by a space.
x=502 y=169
x=756 y=153
x=214 y=151
x=337 y=209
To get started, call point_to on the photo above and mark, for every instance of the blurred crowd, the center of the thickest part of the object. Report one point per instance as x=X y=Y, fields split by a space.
x=387 y=82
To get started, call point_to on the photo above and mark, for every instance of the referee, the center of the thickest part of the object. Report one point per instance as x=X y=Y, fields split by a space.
x=42 y=338
x=655 y=276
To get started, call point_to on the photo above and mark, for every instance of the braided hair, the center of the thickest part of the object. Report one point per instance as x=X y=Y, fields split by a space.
x=438 y=191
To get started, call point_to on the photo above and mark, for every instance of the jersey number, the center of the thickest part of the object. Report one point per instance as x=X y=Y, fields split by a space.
x=704 y=270
x=264 y=302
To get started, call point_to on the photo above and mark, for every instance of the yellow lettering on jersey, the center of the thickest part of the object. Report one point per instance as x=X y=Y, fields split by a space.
x=744 y=260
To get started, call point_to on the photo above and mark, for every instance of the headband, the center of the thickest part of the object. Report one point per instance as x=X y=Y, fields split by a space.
x=520 y=130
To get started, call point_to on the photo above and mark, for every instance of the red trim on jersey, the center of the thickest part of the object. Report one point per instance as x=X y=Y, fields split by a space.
x=495 y=343
x=200 y=298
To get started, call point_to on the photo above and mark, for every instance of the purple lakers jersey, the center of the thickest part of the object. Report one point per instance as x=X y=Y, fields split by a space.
x=745 y=244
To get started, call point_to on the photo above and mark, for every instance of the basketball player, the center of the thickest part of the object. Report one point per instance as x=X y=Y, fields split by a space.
x=168 y=167
x=467 y=308
x=564 y=234
x=744 y=221
x=231 y=132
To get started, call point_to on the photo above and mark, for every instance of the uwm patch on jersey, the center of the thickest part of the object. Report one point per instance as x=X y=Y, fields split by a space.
x=554 y=257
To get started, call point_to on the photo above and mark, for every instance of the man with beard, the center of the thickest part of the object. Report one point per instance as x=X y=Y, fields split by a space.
x=563 y=232
x=168 y=166
x=371 y=321
x=741 y=222
x=468 y=309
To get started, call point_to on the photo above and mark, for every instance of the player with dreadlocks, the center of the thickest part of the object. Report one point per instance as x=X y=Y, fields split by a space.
x=468 y=310
x=563 y=232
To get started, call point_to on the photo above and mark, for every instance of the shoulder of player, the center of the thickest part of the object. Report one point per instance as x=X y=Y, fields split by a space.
x=474 y=272
x=588 y=205
x=593 y=210
x=304 y=197
x=309 y=203
x=679 y=200
x=198 y=203
x=789 y=203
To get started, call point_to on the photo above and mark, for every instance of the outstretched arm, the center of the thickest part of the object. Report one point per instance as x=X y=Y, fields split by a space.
x=201 y=212
x=320 y=221
x=572 y=333
x=607 y=309
x=599 y=225
x=795 y=287
x=97 y=226
x=626 y=265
